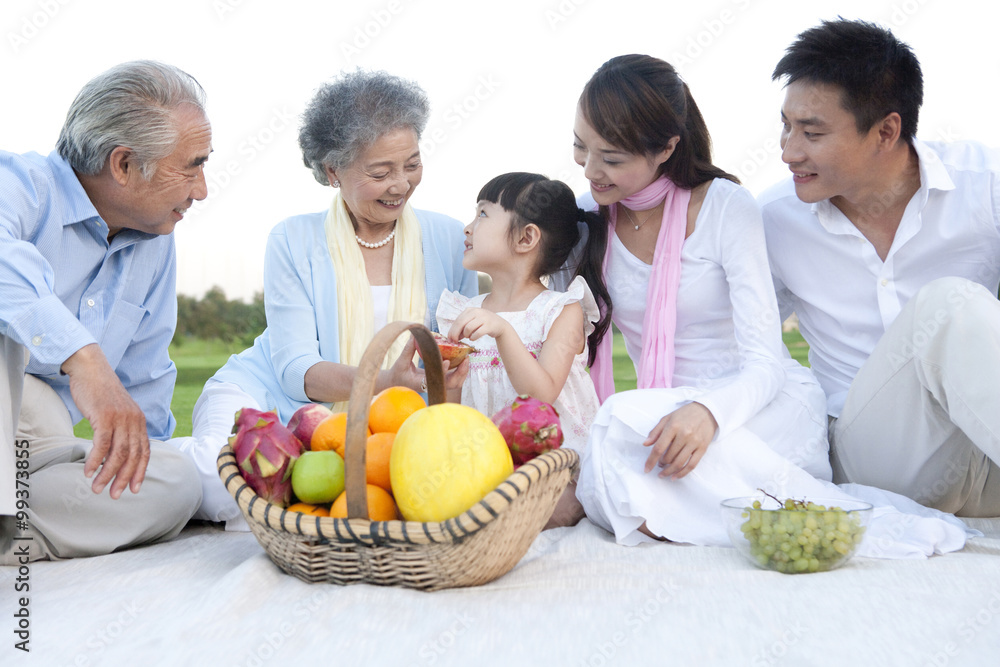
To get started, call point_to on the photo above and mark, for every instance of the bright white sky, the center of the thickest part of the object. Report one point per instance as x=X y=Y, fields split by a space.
x=503 y=78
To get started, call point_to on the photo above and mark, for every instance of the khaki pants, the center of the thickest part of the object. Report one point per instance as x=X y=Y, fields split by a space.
x=922 y=417
x=66 y=519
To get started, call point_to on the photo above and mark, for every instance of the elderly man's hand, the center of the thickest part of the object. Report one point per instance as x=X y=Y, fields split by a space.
x=121 y=445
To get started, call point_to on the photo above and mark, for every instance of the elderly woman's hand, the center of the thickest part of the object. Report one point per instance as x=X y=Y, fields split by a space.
x=454 y=378
x=404 y=373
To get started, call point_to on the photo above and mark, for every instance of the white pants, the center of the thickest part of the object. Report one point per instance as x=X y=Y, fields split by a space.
x=774 y=451
x=212 y=424
x=922 y=417
x=65 y=518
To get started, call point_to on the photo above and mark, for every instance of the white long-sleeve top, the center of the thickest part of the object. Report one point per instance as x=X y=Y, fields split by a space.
x=728 y=338
x=845 y=296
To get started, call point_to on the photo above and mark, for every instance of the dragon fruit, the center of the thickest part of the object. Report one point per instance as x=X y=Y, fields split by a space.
x=530 y=427
x=265 y=451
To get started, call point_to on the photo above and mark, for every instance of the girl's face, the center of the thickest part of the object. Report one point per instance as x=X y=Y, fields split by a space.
x=487 y=238
x=613 y=173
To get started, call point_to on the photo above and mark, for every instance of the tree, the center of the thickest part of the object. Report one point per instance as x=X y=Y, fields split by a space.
x=215 y=317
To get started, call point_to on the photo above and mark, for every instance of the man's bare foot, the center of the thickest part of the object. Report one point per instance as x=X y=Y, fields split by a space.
x=568 y=511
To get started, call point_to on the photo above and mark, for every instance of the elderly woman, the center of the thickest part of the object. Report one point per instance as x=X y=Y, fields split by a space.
x=334 y=278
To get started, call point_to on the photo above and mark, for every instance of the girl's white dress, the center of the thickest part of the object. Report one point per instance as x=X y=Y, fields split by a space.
x=729 y=357
x=488 y=388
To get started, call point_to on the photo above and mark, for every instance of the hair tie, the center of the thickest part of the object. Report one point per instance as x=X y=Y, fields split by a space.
x=581 y=215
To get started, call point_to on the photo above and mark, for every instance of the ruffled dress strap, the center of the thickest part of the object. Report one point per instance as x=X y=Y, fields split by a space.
x=578 y=291
x=450 y=306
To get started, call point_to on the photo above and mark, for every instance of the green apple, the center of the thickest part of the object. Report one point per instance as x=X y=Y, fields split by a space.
x=318 y=477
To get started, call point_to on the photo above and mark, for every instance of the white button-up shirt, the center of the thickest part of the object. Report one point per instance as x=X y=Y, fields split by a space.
x=845 y=296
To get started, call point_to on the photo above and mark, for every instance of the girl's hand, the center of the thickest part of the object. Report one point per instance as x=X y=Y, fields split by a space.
x=474 y=323
x=680 y=440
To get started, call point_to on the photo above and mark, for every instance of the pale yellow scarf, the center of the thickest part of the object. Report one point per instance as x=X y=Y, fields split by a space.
x=407 y=299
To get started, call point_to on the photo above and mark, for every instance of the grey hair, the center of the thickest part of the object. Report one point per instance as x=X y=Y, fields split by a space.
x=348 y=115
x=131 y=104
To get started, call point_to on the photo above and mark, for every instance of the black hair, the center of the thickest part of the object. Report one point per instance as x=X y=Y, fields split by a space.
x=639 y=103
x=551 y=206
x=877 y=73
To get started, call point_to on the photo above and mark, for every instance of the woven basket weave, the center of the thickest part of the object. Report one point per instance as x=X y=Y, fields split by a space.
x=471 y=549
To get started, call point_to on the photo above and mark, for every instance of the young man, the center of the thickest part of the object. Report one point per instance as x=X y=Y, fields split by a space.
x=87 y=274
x=888 y=250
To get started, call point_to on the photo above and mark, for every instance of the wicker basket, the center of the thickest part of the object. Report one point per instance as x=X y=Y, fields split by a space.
x=471 y=549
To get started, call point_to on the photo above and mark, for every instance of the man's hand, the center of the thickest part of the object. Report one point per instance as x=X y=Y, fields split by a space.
x=121 y=445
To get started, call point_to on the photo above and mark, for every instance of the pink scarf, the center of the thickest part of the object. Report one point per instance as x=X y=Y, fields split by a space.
x=656 y=364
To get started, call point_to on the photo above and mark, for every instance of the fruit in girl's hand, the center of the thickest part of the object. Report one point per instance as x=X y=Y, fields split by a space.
x=530 y=427
x=318 y=477
x=444 y=460
x=381 y=506
x=266 y=452
x=452 y=351
x=391 y=407
x=305 y=420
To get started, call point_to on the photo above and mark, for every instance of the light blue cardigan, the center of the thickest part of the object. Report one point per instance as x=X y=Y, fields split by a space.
x=300 y=299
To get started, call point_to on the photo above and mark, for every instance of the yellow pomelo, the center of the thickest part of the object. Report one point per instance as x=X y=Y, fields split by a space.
x=444 y=460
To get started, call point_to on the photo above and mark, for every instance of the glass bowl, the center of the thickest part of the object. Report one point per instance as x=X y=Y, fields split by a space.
x=803 y=539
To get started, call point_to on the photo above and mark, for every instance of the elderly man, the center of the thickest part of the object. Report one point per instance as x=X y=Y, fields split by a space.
x=87 y=273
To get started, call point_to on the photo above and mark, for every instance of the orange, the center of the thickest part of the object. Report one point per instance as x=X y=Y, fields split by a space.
x=332 y=433
x=306 y=508
x=377 y=452
x=381 y=506
x=391 y=407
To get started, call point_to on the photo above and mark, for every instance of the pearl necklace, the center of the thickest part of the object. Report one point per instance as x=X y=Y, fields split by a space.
x=637 y=226
x=380 y=243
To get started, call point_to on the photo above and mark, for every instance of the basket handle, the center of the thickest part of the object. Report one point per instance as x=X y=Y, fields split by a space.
x=360 y=400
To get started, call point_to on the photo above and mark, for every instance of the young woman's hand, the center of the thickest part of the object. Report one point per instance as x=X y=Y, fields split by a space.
x=474 y=323
x=680 y=439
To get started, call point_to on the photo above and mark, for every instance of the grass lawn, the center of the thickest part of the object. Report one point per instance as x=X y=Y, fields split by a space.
x=197 y=360
x=625 y=371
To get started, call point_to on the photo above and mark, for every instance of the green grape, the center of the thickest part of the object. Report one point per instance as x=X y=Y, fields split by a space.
x=800 y=536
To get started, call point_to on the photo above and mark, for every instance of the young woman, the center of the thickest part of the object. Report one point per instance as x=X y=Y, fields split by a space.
x=720 y=410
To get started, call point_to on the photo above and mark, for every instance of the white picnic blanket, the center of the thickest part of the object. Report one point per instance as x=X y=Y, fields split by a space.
x=576 y=598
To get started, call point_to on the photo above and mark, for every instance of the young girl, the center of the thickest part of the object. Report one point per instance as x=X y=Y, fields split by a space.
x=529 y=339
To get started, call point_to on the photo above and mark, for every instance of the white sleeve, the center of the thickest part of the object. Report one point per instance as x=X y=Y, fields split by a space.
x=739 y=239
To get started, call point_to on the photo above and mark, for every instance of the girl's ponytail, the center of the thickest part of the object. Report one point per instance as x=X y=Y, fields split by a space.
x=591 y=267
